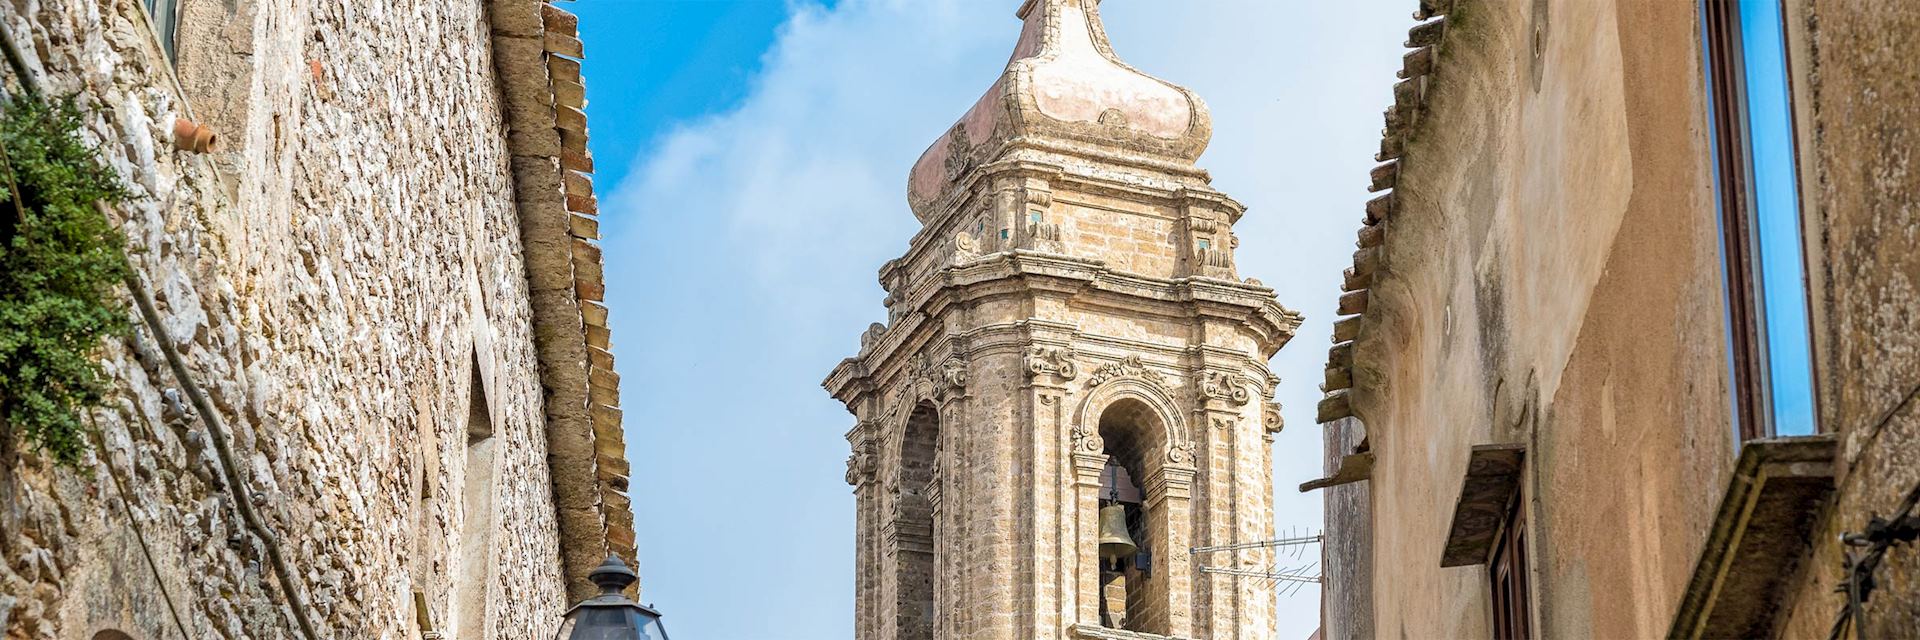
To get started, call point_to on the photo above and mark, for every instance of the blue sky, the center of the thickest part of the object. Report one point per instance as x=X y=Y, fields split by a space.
x=752 y=158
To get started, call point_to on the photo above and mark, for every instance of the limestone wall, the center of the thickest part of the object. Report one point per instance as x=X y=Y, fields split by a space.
x=332 y=277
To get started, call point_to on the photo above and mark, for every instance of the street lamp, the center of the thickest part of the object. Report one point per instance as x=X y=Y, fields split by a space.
x=610 y=615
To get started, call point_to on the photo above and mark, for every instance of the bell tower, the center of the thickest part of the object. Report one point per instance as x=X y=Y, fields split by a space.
x=1071 y=390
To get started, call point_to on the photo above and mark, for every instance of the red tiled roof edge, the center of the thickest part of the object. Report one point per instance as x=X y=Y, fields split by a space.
x=1422 y=60
x=537 y=58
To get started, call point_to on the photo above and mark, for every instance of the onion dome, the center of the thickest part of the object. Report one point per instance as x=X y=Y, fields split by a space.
x=1064 y=91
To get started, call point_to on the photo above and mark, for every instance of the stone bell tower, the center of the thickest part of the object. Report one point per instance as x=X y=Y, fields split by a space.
x=1066 y=334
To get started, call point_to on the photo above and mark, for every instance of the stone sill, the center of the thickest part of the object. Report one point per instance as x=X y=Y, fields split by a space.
x=1779 y=488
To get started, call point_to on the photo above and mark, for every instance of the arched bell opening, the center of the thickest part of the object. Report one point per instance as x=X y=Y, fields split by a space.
x=916 y=504
x=1132 y=527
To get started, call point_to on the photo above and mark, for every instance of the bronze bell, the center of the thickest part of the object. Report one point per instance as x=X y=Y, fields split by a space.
x=1115 y=543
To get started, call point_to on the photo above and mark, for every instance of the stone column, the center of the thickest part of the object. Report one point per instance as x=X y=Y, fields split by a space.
x=1041 y=514
x=948 y=496
x=860 y=474
x=1171 y=494
x=1088 y=462
x=1049 y=365
x=1217 y=594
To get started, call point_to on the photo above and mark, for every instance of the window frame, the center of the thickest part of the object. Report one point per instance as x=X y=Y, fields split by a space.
x=1751 y=364
x=1509 y=577
x=164 y=16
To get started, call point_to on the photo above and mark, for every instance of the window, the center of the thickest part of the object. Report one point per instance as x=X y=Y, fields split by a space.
x=1508 y=575
x=1760 y=223
x=166 y=21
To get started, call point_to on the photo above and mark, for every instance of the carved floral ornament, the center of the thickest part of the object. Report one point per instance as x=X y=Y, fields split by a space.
x=1086 y=440
x=1181 y=453
x=872 y=335
x=966 y=248
x=1130 y=366
x=959 y=152
x=924 y=379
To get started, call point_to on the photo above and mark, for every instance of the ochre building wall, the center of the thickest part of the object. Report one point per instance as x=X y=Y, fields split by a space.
x=1549 y=277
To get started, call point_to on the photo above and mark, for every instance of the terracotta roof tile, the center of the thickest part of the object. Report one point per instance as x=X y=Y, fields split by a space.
x=1409 y=96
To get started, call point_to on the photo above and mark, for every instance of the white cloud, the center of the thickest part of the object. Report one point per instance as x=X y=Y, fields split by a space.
x=743 y=250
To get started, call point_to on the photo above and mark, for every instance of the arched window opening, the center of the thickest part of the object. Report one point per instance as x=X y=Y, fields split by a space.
x=915 y=613
x=112 y=634
x=1129 y=596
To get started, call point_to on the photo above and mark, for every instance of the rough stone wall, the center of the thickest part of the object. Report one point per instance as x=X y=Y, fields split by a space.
x=330 y=291
x=1858 y=100
x=1548 y=276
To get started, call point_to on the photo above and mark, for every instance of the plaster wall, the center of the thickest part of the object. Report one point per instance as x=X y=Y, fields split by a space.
x=1551 y=278
x=332 y=278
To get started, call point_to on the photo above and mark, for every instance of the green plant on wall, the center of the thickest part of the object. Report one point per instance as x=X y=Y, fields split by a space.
x=60 y=261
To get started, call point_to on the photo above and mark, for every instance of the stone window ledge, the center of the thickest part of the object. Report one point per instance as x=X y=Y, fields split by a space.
x=1765 y=526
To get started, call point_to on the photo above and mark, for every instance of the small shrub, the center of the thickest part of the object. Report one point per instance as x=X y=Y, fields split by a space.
x=59 y=263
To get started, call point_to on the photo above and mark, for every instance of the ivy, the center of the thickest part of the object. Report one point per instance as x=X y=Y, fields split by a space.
x=60 y=261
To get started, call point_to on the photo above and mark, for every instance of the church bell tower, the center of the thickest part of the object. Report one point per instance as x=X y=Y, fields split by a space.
x=1071 y=390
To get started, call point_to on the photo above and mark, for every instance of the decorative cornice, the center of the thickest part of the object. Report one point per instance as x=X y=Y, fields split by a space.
x=1094 y=632
x=1185 y=187
x=1027 y=273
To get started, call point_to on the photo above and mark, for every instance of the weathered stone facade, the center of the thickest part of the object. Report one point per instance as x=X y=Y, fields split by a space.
x=385 y=280
x=1543 y=271
x=1071 y=302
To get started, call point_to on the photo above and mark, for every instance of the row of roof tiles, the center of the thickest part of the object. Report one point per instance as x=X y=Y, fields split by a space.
x=564 y=51
x=1424 y=41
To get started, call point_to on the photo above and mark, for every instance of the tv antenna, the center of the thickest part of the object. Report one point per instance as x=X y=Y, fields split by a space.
x=1292 y=547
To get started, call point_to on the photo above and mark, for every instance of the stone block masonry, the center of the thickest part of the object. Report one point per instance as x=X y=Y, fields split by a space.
x=1069 y=312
